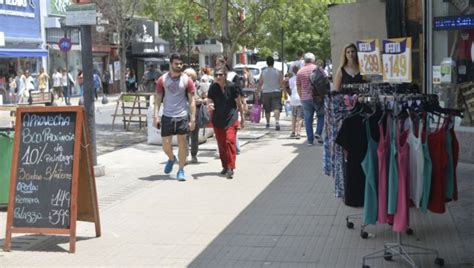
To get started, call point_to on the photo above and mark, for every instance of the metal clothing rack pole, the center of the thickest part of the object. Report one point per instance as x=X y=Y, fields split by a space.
x=400 y=249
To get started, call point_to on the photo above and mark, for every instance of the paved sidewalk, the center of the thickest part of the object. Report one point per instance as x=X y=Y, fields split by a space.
x=278 y=211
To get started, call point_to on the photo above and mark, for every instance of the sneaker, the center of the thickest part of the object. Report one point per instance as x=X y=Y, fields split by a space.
x=298 y=136
x=317 y=136
x=169 y=165
x=224 y=171
x=310 y=143
x=277 y=127
x=267 y=126
x=230 y=174
x=320 y=141
x=194 y=160
x=180 y=176
x=292 y=135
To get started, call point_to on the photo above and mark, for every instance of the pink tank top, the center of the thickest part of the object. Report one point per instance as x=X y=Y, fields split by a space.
x=401 y=221
x=383 y=151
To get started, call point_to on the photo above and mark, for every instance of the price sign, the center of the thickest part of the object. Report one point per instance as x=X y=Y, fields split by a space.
x=368 y=52
x=396 y=59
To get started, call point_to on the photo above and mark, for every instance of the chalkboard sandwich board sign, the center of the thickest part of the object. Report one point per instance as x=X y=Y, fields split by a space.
x=52 y=180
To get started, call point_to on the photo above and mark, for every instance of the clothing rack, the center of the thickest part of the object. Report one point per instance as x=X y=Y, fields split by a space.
x=425 y=103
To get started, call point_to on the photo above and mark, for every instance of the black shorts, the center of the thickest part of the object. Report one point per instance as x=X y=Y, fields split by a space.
x=174 y=126
x=271 y=101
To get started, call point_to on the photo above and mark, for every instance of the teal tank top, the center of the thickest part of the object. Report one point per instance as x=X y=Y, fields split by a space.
x=369 y=165
x=450 y=170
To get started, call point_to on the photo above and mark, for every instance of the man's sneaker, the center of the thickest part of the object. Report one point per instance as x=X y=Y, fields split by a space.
x=194 y=160
x=267 y=125
x=310 y=143
x=180 y=176
x=292 y=135
x=277 y=127
x=317 y=136
x=169 y=165
x=230 y=174
x=224 y=171
x=298 y=136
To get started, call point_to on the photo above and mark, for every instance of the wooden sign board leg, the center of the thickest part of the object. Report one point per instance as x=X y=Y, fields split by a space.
x=87 y=203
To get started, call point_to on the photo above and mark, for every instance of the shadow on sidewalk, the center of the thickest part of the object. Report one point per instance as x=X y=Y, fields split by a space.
x=42 y=243
x=163 y=177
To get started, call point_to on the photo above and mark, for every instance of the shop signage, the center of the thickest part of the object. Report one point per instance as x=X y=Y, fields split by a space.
x=83 y=14
x=2 y=39
x=52 y=177
x=58 y=7
x=396 y=58
x=453 y=22
x=24 y=15
x=368 y=52
x=65 y=44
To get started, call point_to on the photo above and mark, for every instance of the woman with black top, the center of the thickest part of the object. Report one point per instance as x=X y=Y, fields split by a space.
x=225 y=101
x=348 y=72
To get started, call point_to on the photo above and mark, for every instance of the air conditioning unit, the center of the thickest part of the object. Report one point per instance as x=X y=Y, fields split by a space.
x=114 y=38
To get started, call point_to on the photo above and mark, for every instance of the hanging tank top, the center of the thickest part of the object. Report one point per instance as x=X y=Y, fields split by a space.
x=400 y=219
x=427 y=170
x=439 y=156
x=392 y=172
x=416 y=165
x=349 y=79
x=369 y=165
x=383 y=154
x=455 y=144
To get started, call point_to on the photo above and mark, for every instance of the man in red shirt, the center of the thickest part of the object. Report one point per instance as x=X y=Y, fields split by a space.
x=310 y=104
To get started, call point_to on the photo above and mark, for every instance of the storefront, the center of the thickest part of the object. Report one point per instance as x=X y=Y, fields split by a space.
x=147 y=47
x=22 y=47
x=449 y=27
x=54 y=32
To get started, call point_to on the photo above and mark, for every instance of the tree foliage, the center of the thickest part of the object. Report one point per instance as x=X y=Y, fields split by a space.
x=249 y=23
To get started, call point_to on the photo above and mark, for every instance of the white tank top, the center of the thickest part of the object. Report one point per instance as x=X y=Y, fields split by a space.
x=417 y=162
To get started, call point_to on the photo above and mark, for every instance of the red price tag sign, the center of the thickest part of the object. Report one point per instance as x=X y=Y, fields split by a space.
x=368 y=52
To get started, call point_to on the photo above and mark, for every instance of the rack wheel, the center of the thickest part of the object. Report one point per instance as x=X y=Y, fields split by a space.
x=439 y=261
x=364 y=234
x=350 y=225
x=410 y=231
x=387 y=256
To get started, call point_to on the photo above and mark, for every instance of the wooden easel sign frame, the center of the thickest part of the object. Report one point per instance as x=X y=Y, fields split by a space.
x=52 y=182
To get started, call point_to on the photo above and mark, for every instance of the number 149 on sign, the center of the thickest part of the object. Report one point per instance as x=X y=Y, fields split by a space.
x=397 y=67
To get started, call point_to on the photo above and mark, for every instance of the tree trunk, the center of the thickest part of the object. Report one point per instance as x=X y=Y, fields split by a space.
x=123 y=62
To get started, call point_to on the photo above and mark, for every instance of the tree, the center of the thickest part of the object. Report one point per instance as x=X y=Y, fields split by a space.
x=120 y=14
x=305 y=25
x=228 y=21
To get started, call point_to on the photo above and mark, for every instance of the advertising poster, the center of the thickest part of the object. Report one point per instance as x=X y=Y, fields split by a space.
x=396 y=57
x=368 y=52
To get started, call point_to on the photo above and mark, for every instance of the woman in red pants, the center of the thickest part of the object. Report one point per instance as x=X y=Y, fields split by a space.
x=224 y=99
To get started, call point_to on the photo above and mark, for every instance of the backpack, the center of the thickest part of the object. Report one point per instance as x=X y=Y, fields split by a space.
x=96 y=81
x=319 y=83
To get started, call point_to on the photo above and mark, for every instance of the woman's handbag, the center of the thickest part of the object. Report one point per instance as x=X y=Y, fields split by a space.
x=203 y=117
x=255 y=113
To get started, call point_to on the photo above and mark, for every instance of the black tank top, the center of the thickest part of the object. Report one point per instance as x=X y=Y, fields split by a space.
x=349 y=79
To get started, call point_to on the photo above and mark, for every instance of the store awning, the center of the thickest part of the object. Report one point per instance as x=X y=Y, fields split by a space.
x=21 y=52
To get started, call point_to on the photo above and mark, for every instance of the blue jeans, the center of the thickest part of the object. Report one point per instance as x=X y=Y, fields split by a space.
x=309 y=108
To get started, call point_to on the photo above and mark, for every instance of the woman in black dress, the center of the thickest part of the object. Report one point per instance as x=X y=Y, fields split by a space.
x=348 y=72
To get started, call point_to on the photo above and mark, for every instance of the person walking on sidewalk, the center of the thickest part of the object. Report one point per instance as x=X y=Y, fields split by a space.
x=225 y=100
x=296 y=107
x=310 y=104
x=199 y=98
x=176 y=90
x=270 y=85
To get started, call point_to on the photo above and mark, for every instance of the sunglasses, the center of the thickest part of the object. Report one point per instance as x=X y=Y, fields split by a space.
x=217 y=75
